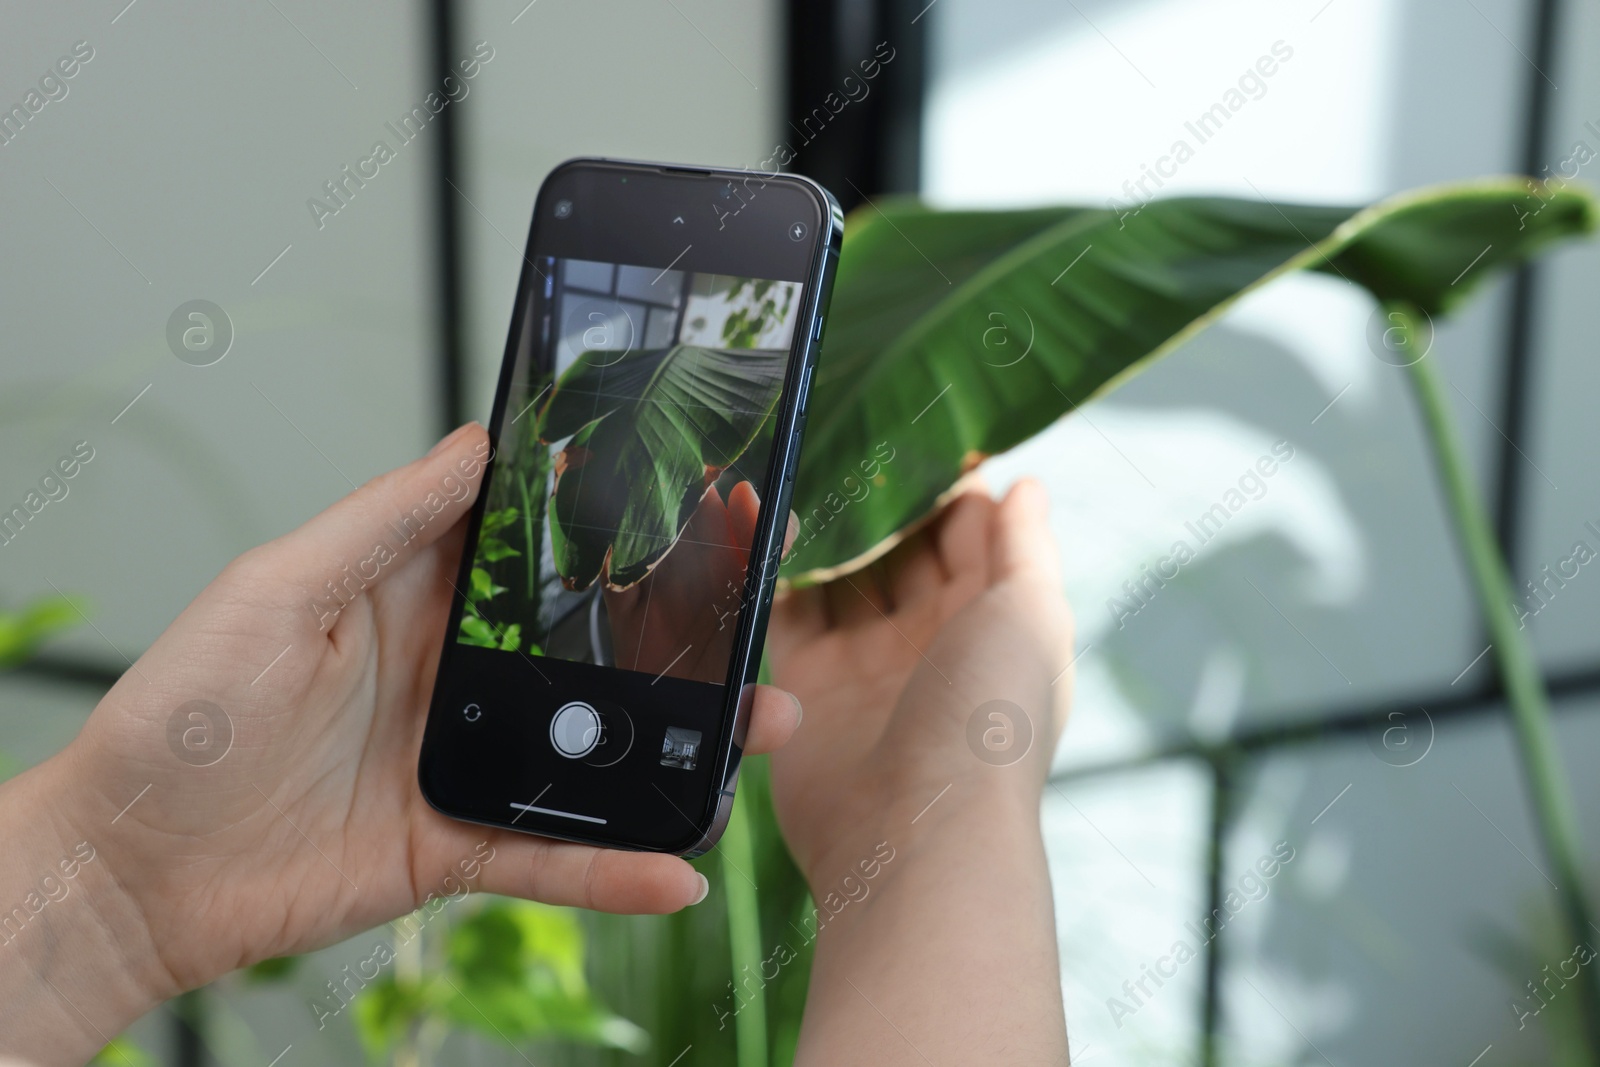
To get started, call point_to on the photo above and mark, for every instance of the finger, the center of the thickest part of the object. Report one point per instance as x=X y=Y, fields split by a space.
x=744 y=507
x=582 y=876
x=855 y=600
x=421 y=592
x=915 y=572
x=790 y=532
x=774 y=717
x=682 y=571
x=798 y=616
x=709 y=524
x=1021 y=545
x=878 y=573
x=369 y=534
x=963 y=538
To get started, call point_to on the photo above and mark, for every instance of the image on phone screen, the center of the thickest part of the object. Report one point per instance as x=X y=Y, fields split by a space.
x=624 y=496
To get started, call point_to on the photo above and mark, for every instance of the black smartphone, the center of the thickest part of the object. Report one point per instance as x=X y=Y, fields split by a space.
x=598 y=671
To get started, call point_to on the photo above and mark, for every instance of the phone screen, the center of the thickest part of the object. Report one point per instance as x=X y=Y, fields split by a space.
x=623 y=501
x=586 y=687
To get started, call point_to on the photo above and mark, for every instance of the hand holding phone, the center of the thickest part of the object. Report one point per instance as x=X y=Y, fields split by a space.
x=596 y=679
x=246 y=791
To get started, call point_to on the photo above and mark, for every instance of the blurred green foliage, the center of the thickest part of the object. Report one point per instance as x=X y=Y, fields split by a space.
x=122 y=1053
x=22 y=631
x=512 y=971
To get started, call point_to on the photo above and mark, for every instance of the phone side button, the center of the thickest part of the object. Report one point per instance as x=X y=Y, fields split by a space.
x=805 y=389
x=794 y=448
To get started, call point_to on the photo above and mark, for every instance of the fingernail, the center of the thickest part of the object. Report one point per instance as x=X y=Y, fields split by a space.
x=799 y=710
x=450 y=439
x=705 y=887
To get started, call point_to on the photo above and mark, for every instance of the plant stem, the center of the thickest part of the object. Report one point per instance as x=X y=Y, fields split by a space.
x=190 y=1009
x=530 y=562
x=1553 y=808
x=408 y=967
x=744 y=932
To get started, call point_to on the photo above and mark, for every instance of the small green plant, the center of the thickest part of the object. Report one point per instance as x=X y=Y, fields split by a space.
x=122 y=1053
x=511 y=971
x=24 y=630
x=754 y=310
x=492 y=548
x=509 y=548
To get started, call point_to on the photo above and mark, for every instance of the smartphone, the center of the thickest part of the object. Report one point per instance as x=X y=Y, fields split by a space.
x=598 y=670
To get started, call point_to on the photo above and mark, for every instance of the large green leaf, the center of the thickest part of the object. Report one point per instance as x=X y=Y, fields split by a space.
x=645 y=434
x=955 y=335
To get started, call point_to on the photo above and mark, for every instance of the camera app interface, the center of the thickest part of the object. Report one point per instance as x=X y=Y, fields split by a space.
x=631 y=467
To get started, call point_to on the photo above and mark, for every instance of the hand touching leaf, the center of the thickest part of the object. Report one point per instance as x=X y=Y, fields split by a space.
x=647 y=434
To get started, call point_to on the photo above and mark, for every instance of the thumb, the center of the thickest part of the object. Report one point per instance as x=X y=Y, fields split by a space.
x=1022 y=545
x=373 y=531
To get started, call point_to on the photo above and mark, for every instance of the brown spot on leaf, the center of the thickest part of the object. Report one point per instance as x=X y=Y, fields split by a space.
x=571 y=458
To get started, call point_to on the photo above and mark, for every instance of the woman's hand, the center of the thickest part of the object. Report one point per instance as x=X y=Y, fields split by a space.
x=248 y=789
x=898 y=669
x=935 y=688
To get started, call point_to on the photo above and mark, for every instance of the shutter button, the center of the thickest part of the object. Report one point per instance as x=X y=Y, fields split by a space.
x=575 y=730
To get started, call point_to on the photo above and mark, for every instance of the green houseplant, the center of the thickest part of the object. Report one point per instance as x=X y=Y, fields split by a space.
x=915 y=355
